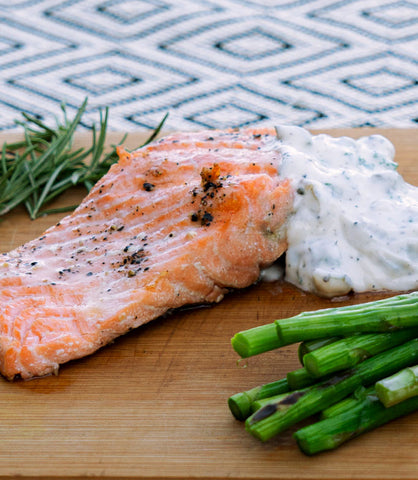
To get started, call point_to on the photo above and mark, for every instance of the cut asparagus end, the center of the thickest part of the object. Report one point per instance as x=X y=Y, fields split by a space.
x=309 y=346
x=256 y=340
x=398 y=387
x=240 y=405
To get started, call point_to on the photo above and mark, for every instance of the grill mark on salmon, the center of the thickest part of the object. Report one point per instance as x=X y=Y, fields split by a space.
x=180 y=221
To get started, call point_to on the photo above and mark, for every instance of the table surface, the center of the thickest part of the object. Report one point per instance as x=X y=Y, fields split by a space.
x=153 y=404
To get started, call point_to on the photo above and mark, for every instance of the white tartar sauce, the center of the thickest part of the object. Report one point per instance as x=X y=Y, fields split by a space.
x=354 y=226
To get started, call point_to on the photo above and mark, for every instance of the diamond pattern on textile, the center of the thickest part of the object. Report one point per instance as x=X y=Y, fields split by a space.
x=376 y=20
x=212 y=63
x=213 y=44
x=371 y=99
x=252 y=44
x=127 y=12
x=106 y=19
x=102 y=80
x=381 y=82
x=395 y=15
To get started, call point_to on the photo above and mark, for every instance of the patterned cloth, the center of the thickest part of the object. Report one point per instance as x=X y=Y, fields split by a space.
x=212 y=63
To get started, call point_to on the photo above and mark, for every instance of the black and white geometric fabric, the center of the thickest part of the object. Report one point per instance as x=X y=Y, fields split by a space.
x=212 y=63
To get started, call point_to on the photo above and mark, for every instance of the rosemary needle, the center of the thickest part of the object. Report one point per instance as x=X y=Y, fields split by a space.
x=37 y=169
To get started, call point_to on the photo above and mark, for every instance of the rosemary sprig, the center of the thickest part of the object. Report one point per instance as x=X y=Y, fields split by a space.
x=39 y=168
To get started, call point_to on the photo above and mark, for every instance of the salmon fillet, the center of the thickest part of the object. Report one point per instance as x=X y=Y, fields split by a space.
x=180 y=221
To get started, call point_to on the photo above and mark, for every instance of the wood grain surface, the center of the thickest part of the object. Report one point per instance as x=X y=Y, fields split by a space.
x=153 y=404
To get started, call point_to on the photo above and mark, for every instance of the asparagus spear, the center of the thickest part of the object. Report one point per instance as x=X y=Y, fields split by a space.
x=350 y=351
x=366 y=415
x=351 y=401
x=298 y=405
x=340 y=407
x=398 y=387
x=309 y=346
x=300 y=378
x=264 y=424
x=256 y=340
x=262 y=402
x=379 y=316
x=240 y=403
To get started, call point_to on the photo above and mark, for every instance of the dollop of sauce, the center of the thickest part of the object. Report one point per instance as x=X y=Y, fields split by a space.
x=354 y=226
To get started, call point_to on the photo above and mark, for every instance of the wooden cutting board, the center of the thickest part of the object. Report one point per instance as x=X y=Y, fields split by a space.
x=153 y=404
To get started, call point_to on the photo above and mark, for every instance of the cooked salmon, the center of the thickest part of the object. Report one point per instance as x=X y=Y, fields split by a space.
x=180 y=221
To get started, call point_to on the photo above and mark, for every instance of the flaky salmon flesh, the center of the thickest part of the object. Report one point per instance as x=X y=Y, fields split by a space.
x=178 y=222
